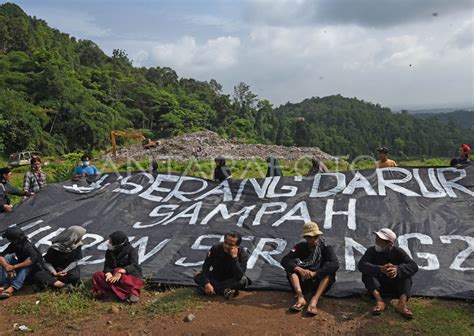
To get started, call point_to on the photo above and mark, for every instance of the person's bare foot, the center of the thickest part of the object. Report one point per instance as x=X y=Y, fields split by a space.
x=379 y=308
x=299 y=305
x=405 y=312
x=312 y=310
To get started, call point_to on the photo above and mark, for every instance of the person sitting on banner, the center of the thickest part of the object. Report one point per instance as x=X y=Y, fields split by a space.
x=228 y=261
x=61 y=261
x=35 y=179
x=273 y=168
x=463 y=159
x=122 y=274
x=221 y=172
x=20 y=259
x=317 y=167
x=86 y=169
x=311 y=268
x=7 y=189
x=383 y=160
x=387 y=271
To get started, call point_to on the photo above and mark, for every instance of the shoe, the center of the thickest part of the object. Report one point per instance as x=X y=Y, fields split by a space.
x=133 y=299
x=230 y=293
x=66 y=289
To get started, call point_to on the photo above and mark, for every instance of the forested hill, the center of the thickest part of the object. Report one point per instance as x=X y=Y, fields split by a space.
x=459 y=118
x=59 y=94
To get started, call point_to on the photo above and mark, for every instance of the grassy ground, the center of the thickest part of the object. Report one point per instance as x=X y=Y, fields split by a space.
x=44 y=311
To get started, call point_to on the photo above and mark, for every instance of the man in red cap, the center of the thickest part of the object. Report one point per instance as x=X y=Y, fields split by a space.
x=463 y=159
x=387 y=270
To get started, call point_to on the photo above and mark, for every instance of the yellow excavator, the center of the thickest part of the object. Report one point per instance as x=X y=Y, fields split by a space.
x=146 y=143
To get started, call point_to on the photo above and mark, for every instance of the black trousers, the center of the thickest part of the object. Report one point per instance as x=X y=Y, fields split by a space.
x=44 y=279
x=220 y=285
x=310 y=286
x=388 y=287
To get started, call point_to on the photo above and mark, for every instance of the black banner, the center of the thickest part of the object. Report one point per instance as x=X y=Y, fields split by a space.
x=173 y=220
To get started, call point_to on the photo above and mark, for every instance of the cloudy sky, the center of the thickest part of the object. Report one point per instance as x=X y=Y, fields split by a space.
x=399 y=53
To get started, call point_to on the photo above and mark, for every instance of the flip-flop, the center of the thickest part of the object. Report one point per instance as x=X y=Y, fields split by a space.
x=297 y=307
x=5 y=295
x=312 y=310
x=378 y=309
x=406 y=313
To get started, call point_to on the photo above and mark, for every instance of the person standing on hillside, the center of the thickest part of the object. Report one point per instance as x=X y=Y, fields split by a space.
x=463 y=159
x=224 y=268
x=7 y=189
x=35 y=179
x=86 y=169
x=383 y=160
x=311 y=268
x=317 y=167
x=221 y=172
x=387 y=271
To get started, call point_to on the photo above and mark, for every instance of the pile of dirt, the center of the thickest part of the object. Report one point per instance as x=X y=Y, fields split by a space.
x=208 y=145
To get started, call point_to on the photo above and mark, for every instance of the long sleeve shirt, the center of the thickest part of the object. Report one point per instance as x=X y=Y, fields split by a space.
x=371 y=261
x=301 y=251
x=62 y=261
x=7 y=189
x=25 y=251
x=127 y=261
x=223 y=265
x=34 y=182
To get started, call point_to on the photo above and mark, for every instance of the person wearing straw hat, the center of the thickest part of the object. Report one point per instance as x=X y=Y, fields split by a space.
x=311 y=268
x=387 y=271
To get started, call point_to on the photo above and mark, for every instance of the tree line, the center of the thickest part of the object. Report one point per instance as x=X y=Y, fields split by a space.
x=60 y=94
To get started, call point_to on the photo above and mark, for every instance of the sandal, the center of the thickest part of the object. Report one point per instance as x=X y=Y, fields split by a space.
x=312 y=310
x=5 y=295
x=406 y=313
x=379 y=308
x=297 y=307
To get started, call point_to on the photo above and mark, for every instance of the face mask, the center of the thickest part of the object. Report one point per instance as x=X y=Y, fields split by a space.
x=36 y=168
x=86 y=163
x=110 y=246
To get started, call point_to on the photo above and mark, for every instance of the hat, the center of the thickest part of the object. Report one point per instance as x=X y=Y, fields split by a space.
x=383 y=150
x=386 y=234
x=311 y=229
x=466 y=148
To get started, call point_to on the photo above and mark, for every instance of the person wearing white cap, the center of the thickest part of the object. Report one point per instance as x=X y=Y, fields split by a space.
x=387 y=271
x=311 y=268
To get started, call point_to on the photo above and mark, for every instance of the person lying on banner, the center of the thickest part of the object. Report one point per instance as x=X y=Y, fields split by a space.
x=383 y=160
x=221 y=172
x=463 y=159
x=228 y=261
x=85 y=169
x=7 y=189
x=122 y=275
x=62 y=271
x=387 y=271
x=35 y=178
x=20 y=259
x=311 y=268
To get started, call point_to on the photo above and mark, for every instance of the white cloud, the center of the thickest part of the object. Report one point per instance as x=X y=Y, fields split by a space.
x=188 y=56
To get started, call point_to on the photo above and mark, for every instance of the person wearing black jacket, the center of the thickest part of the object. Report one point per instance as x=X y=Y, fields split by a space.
x=122 y=273
x=18 y=260
x=7 y=189
x=62 y=270
x=311 y=268
x=221 y=172
x=228 y=261
x=387 y=270
x=273 y=167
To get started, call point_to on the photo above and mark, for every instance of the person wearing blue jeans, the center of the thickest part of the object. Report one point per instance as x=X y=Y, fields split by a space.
x=17 y=261
x=14 y=278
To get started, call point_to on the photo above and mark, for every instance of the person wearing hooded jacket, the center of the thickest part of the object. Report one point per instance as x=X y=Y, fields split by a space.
x=61 y=261
x=221 y=172
x=122 y=273
x=20 y=259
